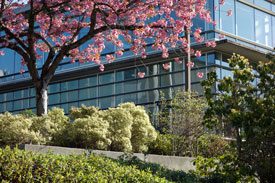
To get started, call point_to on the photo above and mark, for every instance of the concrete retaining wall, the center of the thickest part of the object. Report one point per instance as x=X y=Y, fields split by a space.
x=171 y=162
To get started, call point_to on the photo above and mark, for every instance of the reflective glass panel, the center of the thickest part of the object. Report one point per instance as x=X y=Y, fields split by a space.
x=227 y=22
x=245 y=21
x=263 y=28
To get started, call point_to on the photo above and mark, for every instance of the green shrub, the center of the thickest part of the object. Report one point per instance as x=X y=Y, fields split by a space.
x=163 y=145
x=222 y=169
x=20 y=166
x=15 y=129
x=51 y=125
x=83 y=111
x=210 y=145
x=120 y=121
x=142 y=130
x=90 y=132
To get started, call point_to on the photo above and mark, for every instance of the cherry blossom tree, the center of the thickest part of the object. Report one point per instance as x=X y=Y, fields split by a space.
x=57 y=29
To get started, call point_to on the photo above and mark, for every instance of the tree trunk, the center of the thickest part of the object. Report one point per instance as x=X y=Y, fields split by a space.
x=42 y=98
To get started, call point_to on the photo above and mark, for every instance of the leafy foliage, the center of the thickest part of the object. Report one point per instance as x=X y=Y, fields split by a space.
x=211 y=145
x=15 y=129
x=246 y=104
x=126 y=128
x=221 y=169
x=51 y=125
x=20 y=166
x=142 y=130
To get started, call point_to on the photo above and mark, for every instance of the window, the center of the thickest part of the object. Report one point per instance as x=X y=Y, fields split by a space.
x=106 y=102
x=106 y=90
x=263 y=28
x=88 y=102
x=69 y=96
x=87 y=93
x=166 y=80
x=245 y=21
x=106 y=78
x=227 y=23
x=69 y=85
x=7 y=62
x=54 y=99
x=177 y=78
x=86 y=82
x=263 y=4
x=130 y=86
x=125 y=75
x=54 y=88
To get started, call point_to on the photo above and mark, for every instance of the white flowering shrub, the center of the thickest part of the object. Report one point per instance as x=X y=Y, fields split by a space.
x=142 y=131
x=90 y=132
x=15 y=129
x=83 y=111
x=51 y=126
x=120 y=121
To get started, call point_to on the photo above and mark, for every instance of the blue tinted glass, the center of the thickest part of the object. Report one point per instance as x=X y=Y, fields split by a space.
x=106 y=90
x=87 y=93
x=210 y=59
x=7 y=62
x=119 y=88
x=178 y=78
x=9 y=106
x=54 y=99
x=32 y=102
x=106 y=78
x=263 y=4
x=130 y=86
x=263 y=28
x=130 y=74
x=142 y=97
x=106 y=102
x=227 y=23
x=245 y=21
x=88 y=103
x=166 y=80
x=72 y=96
x=1 y=97
x=54 y=88
x=130 y=97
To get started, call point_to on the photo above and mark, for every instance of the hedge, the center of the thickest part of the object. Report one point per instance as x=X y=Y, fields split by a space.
x=21 y=166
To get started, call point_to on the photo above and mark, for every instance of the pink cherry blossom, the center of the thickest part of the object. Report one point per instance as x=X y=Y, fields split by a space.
x=200 y=74
x=198 y=53
x=190 y=64
x=210 y=44
x=229 y=12
x=177 y=60
x=2 y=53
x=141 y=74
x=166 y=66
x=21 y=71
x=110 y=58
x=101 y=67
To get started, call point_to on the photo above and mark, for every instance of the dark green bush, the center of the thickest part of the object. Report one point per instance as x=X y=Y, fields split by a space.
x=210 y=145
x=163 y=145
x=27 y=167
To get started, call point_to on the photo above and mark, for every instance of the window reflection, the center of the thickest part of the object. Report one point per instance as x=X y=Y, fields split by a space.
x=263 y=28
x=245 y=21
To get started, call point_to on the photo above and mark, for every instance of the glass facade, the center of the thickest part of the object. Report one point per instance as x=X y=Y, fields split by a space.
x=112 y=88
x=253 y=21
